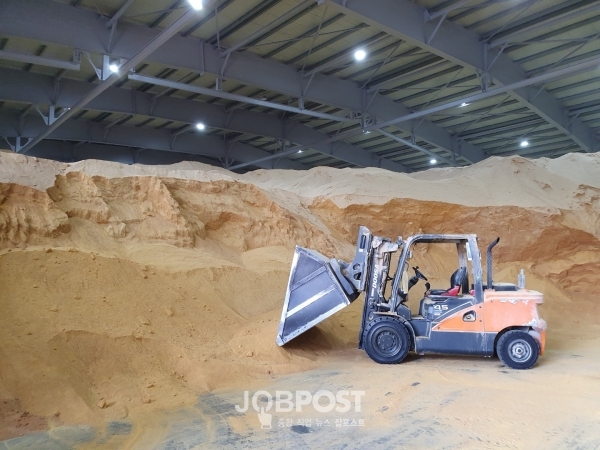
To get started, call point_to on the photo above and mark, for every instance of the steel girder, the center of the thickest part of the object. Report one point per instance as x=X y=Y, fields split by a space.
x=68 y=152
x=540 y=79
x=546 y=20
x=34 y=59
x=34 y=88
x=406 y=20
x=56 y=23
x=137 y=58
x=12 y=126
x=200 y=90
x=115 y=18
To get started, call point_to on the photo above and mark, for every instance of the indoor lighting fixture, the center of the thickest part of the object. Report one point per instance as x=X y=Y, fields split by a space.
x=463 y=104
x=200 y=126
x=360 y=54
x=524 y=144
x=432 y=161
x=299 y=151
x=113 y=68
x=196 y=4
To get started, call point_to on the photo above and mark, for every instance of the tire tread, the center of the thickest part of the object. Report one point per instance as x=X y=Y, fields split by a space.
x=505 y=359
x=407 y=336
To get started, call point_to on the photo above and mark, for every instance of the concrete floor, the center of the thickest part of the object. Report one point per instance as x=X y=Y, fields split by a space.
x=425 y=402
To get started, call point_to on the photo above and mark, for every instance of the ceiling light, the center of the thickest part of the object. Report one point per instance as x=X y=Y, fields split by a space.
x=432 y=161
x=359 y=55
x=201 y=126
x=196 y=4
x=113 y=68
x=463 y=104
x=524 y=144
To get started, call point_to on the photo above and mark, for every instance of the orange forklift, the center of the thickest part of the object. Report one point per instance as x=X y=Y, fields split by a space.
x=484 y=319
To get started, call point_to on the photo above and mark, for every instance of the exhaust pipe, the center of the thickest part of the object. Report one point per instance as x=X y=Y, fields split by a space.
x=490 y=281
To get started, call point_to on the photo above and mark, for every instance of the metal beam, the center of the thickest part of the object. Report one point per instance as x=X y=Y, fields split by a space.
x=448 y=9
x=124 y=7
x=407 y=20
x=166 y=13
x=307 y=34
x=315 y=48
x=494 y=130
x=242 y=21
x=211 y=15
x=32 y=88
x=540 y=79
x=265 y=29
x=155 y=43
x=214 y=146
x=592 y=108
x=506 y=11
x=343 y=57
x=237 y=98
x=549 y=76
x=417 y=147
x=68 y=152
x=33 y=59
x=428 y=63
x=510 y=36
x=51 y=21
x=315 y=4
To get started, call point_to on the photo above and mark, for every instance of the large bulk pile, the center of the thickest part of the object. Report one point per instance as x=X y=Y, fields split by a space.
x=128 y=288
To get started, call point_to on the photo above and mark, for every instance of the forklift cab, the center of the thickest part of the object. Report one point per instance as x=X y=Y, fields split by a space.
x=440 y=299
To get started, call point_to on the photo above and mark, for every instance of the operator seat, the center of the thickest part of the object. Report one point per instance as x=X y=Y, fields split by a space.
x=458 y=280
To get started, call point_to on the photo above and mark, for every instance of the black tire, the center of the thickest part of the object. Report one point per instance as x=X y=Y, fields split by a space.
x=386 y=340
x=518 y=349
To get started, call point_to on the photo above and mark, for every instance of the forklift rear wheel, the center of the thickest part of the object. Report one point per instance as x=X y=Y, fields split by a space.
x=518 y=349
x=386 y=340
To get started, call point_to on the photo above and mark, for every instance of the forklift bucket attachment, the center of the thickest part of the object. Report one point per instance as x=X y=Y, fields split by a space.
x=316 y=290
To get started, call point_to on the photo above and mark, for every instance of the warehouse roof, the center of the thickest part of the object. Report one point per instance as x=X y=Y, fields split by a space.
x=277 y=83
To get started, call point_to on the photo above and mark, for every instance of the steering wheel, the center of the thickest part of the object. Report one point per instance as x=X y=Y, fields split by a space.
x=419 y=274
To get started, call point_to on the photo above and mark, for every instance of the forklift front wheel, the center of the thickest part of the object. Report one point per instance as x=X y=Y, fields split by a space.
x=386 y=340
x=517 y=349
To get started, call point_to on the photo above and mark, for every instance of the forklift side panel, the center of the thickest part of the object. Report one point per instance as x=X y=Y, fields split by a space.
x=453 y=342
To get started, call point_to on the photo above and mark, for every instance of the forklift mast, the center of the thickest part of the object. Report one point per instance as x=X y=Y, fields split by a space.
x=379 y=268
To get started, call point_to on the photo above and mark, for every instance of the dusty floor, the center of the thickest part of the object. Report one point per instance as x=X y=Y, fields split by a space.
x=426 y=402
x=139 y=303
